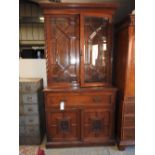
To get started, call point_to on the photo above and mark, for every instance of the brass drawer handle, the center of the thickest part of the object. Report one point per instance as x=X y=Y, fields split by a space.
x=97 y=99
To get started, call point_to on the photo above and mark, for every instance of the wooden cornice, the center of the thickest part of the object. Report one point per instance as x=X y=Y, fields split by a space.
x=107 y=5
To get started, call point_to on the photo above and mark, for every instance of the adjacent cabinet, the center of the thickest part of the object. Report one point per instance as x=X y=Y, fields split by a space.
x=125 y=81
x=80 y=96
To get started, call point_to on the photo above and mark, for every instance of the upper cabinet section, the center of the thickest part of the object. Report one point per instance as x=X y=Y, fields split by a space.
x=78 y=44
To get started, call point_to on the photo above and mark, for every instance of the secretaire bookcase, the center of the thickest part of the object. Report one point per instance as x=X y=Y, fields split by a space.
x=124 y=78
x=80 y=97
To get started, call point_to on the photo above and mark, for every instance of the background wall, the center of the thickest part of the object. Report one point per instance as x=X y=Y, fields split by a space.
x=33 y=68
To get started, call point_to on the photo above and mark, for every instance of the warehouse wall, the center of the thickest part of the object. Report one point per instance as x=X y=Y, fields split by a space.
x=29 y=68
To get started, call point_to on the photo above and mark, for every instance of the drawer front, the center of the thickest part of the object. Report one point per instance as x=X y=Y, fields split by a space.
x=32 y=130
x=92 y=99
x=31 y=120
x=30 y=109
x=97 y=124
x=21 y=110
x=20 y=87
x=20 y=98
x=29 y=140
x=63 y=125
x=30 y=98
x=21 y=120
x=128 y=134
x=129 y=121
x=21 y=130
x=30 y=87
x=129 y=109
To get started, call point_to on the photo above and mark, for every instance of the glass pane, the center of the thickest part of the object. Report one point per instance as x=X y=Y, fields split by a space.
x=95 y=49
x=65 y=49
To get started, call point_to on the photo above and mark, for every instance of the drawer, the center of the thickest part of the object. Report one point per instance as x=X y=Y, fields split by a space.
x=32 y=130
x=20 y=87
x=21 y=140
x=129 y=121
x=92 y=99
x=21 y=130
x=30 y=98
x=21 y=110
x=30 y=109
x=30 y=87
x=31 y=120
x=29 y=140
x=21 y=120
x=129 y=109
x=20 y=98
x=128 y=134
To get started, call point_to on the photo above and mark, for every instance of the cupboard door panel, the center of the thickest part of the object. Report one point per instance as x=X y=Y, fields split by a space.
x=97 y=124
x=63 y=125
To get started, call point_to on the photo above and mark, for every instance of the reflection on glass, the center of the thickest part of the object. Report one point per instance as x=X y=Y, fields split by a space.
x=95 y=49
x=94 y=54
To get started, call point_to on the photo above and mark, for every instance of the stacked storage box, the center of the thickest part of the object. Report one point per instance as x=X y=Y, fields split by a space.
x=31 y=111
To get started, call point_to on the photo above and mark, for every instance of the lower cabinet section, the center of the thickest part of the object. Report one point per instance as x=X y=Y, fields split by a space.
x=79 y=124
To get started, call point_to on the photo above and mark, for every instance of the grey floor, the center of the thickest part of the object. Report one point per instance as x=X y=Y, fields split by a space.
x=90 y=151
x=100 y=150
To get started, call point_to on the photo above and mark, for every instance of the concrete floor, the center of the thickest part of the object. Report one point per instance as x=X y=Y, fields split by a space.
x=108 y=150
x=98 y=150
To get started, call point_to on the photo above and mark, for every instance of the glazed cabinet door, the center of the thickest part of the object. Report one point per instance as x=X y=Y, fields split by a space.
x=62 y=50
x=95 y=50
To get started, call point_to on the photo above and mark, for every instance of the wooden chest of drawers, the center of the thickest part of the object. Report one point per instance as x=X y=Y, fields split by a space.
x=31 y=111
x=124 y=66
x=87 y=117
x=128 y=120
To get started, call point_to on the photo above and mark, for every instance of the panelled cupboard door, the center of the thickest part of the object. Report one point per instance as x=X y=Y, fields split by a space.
x=97 y=125
x=63 y=125
x=95 y=47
